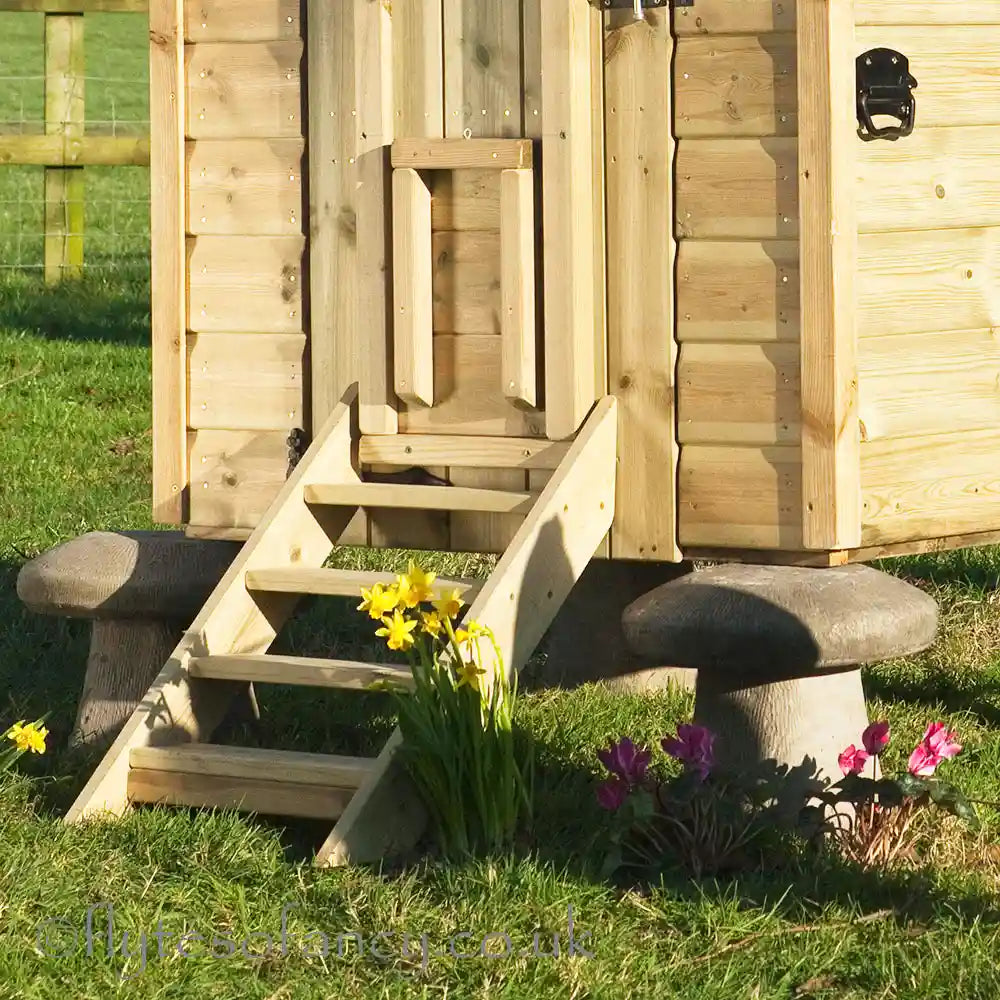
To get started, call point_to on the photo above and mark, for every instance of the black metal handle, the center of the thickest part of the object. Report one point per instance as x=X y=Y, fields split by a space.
x=885 y=87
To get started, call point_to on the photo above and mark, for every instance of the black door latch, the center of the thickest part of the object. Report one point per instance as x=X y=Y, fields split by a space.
x=885 y=87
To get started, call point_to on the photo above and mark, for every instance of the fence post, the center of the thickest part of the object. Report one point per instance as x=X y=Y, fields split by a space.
x=64 y=115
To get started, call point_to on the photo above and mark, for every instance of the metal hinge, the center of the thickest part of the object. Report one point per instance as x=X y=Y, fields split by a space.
x=298 y=444
x=643 y=4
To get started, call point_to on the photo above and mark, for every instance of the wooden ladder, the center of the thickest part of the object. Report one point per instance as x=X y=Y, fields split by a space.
x=163 y=755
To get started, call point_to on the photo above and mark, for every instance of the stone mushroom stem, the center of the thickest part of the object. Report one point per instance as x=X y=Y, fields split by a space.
x=784 y=721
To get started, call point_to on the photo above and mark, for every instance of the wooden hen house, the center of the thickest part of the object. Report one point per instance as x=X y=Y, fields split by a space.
x=708 y=278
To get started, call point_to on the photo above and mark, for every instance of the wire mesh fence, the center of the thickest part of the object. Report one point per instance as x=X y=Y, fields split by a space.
x=100 y=89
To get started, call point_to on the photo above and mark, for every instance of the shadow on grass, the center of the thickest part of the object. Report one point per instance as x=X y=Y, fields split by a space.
x=113 y=308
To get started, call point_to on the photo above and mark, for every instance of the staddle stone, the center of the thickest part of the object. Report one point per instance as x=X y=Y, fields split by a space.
x=778 y=651
x=141 y=589
x=781 y=620
x=160 y=575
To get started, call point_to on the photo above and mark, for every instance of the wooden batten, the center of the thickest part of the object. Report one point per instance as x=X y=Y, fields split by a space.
x=831 y=461
x=517 y=285
x=462 y=154
x=168 y=260
x=575 y=371
x=333 y=266
x=413 y=299
x=641 y=348
x=374 y=132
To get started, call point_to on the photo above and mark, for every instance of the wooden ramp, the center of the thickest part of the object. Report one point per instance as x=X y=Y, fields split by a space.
x=163 y=754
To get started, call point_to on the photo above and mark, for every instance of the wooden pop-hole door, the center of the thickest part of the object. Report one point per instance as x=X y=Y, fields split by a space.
x=413 y=261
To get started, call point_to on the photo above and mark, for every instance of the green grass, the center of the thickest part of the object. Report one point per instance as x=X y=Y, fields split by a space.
x=74 y=383
x=75 y=456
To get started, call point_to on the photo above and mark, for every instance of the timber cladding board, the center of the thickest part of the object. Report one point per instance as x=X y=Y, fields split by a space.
x=927 y=282
x=465 y=200
x=929 y=383
x=246 y=381
x=738 y=394
x=235 y=475
x=238 y=90
x=241 y=20
x=914 y=488
x=246 y=187
x=752 y=16
x=737 y=497
x=744 y=291
x=743 y=188
x=245 y=285
x=736 y=85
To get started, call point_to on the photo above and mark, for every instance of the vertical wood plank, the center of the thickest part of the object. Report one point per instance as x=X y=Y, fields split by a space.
x=642 y=352
x=531 y=55
x=373 y=137
x=64 y=116
x=413 y=297
x=168 y=258
x=572 y=233
x=418 y=68
x=332 y=214
x=831 y=465
x=482 y=59
x=517 y=285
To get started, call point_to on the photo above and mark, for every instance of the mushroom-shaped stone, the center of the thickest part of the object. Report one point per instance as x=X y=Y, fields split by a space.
x=778 y=651
x=141 y=589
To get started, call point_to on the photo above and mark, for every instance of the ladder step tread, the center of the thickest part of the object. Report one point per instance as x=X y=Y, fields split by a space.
x=338 y=582
x=272 y=782
x=406 y=497
x=303 y=670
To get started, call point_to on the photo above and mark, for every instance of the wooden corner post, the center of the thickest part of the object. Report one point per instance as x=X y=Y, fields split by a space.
x=168 y=260
x=831 y=448
x=573 y=223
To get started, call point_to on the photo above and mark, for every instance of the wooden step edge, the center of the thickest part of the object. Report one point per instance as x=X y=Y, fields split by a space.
x=340 y=582
x=254 y=764
x=249 y=795
x=399 y=496
x=306 y=671
x=461 y=451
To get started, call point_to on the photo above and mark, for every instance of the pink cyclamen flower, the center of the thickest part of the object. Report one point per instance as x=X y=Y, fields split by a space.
x=612 y=794
x=694 y=745
x=626 y=761
x=937 y=745
x=852 y=760
x=875 y=738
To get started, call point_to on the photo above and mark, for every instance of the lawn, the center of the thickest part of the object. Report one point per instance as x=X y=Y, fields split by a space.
x=75 y=456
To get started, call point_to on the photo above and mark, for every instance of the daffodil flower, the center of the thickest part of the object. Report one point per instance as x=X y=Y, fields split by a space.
x=419 y=584
x=378 y=601
x=469 y=674
x=449 y=605
x=432 y=623
x=28 y=737
x=398 y=631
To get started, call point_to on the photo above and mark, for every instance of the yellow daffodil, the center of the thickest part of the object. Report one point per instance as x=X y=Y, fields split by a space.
x=378 y=601
x=28 y=737
x=449 y=605
x=470 y=631
x=407 y=596
x=432 y=623
x=398 y=631
x=469 y=673
x=420 y=583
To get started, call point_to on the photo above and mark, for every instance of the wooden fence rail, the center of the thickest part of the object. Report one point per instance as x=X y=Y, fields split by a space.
x=64 y=149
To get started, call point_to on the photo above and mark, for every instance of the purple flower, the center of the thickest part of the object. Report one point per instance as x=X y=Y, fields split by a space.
x=612 y=794
x=694 y=746
x=626 y=761
x=875 y=738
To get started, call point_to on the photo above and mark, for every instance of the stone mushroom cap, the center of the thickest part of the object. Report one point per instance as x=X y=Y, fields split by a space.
x=780 y=621
x=158 y=575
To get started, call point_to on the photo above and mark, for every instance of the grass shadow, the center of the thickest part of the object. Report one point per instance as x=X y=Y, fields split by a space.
x=111 y=308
